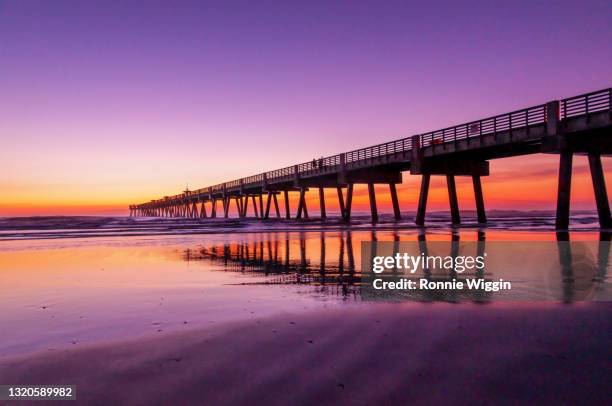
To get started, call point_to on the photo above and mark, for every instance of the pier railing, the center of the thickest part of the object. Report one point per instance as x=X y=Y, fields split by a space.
x=492 y=125
x=587 y=103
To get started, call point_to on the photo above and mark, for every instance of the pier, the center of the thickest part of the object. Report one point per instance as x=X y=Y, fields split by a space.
x=576 y=125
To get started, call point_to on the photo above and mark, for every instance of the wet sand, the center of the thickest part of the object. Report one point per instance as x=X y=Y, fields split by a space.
x=408 y=353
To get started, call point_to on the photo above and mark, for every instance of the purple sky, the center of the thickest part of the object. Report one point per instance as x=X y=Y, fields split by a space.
x=114 y=102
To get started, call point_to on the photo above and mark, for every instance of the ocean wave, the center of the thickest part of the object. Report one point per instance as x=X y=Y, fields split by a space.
x=53 y=227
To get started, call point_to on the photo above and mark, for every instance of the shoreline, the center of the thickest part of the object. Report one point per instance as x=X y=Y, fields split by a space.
x=183 y=227
x=384 y=353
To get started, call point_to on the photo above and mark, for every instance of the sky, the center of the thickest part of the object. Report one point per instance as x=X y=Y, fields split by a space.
x=107 y=103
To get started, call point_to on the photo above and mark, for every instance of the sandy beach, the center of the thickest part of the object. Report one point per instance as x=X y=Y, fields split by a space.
x=408 y=353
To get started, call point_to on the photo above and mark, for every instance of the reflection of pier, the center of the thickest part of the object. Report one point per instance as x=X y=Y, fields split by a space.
x=325 y=260
x=576 y=125
x=580 y=274
x=279 y=259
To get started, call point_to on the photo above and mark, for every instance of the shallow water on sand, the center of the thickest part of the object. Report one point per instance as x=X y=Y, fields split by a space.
x=59 y=293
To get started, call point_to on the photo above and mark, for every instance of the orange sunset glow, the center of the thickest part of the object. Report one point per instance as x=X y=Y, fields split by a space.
x=534 y=189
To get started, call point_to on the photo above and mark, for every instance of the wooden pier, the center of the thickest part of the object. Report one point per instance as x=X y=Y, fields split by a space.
x=576 y=125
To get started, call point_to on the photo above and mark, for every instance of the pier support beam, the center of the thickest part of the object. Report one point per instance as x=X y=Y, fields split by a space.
x=480 y=209
x=373 y=209
x=302 y=208
x=244 y=203
x=322 y=202
x=213 y=210
x=305 y=207
x=268 y=203
x=226 y=204
x=395 y=201
x=287 y=208
x=420 y=217
x=349 y=202
x=341 y=201
x=599 y=187
x=203 y=213
x=452 y=199
x=240 y=206
x=254 y=206
x=563 y=190
x=276 y=205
